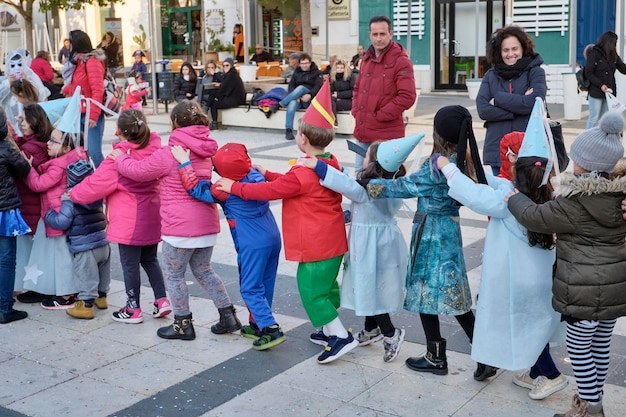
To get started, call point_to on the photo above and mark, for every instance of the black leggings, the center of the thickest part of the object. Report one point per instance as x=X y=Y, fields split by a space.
x=430 y=323
x=382 y=321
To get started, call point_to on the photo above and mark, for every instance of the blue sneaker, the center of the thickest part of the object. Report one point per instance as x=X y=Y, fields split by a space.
x=336 y=348
x=319 y=338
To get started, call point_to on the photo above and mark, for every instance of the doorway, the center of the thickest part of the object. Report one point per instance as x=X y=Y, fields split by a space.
x=455 y=36
x=182 y=29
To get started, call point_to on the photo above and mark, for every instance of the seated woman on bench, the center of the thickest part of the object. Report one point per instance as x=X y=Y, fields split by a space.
x=231 y=92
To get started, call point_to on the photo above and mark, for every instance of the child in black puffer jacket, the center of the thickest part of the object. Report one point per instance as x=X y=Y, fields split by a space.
x=85 y=232
x=12 y=165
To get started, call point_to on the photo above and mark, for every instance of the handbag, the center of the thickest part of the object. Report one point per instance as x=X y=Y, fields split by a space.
x=613 y=103
x=559 y=145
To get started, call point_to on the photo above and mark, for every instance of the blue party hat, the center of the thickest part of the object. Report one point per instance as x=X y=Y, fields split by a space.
x=55 y=108
x=535 y=141
x=392 y=153
x=70 y=121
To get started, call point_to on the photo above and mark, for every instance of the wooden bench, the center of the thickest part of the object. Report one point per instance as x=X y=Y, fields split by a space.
x=238 y=116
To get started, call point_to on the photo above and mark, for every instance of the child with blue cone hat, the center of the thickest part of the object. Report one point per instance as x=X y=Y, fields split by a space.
x=589 y=286
x=378 y=254
x=517 y=267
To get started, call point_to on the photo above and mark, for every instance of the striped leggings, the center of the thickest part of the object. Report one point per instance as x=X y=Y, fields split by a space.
x=588 y=346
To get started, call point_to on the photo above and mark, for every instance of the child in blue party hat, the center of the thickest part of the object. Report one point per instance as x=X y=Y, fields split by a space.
x=373 y=274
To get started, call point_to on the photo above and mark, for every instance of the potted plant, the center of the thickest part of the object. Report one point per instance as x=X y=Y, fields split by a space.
x=225 y=51
x=213 y=46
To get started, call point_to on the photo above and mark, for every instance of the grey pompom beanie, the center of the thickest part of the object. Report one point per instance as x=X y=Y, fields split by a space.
x=599 y=148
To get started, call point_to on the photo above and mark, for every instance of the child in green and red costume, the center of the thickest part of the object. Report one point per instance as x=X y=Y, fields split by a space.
x=313 y=225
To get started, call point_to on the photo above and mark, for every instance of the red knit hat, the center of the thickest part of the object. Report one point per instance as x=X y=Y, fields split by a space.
x=232 y=161
x=320 y=112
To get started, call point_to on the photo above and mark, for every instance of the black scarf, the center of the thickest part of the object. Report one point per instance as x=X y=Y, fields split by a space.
x=508 y=72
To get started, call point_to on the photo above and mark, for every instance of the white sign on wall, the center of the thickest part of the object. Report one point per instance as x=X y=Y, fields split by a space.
x=338 y=9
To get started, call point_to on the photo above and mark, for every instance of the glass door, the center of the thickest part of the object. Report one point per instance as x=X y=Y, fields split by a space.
x=457 y=45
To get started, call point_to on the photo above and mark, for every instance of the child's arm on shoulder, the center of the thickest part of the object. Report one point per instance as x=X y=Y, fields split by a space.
x=46 y=180
x=198 y=189
x=555 y=216
x=282 y=186
x=336 y=180
x=63 y=219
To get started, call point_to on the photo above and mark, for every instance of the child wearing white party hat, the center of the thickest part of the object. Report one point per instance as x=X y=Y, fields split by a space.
x=589 y=286
x=373 y=275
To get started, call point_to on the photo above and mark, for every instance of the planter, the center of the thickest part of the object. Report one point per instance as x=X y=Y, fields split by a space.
x=211 y=56
x=473 y=85
x=222 y=55
x=247 y=72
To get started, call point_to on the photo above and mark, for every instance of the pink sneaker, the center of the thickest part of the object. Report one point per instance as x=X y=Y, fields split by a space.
x=162 y=308
x=128 y=315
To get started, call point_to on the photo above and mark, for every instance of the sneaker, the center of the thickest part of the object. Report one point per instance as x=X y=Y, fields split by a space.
x=213 y=126
x=270 y=336
x=524 y=380
x=162 y=308
x=81 y=311
x=30 y=297
x=128 y=315
x=251 y=331
x=319 y=338
x=289 y=134
x=545 y=387
x=12 y=315
x=59 y=302
x=365 y=337
x=337 y=347
x=392 y=345
x=101 y=302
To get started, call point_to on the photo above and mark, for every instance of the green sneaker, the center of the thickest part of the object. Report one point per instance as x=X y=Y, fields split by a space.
x=251 y=331
x=270 y=336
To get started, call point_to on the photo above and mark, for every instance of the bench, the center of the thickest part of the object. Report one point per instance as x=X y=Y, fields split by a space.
x=237 y=116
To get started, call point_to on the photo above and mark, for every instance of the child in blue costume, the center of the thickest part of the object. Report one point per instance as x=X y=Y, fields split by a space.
x=436 y=281
x=255 y=234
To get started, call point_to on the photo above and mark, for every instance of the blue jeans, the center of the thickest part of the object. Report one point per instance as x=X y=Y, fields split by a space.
x=597 y=107
x=94 y=139
x=8 y=245
x=358 y=159
x=290 y=101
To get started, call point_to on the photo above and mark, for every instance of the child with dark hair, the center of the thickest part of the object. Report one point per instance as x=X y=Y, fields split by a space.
x=132 y=208
x=254 y=232
x=373 y=284
x=436 y=281
x=589 y=286
x=84 y=227
x=313 y=224
x=189 y=227
x=12 y=166
x=515 y=320
x=25 y=92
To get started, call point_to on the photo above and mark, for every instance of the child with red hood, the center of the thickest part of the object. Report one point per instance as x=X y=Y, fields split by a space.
x=255 y=235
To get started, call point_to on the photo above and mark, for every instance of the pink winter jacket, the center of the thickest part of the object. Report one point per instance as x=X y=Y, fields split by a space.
x=181 y=214
x=51 y=182
x=132 y=207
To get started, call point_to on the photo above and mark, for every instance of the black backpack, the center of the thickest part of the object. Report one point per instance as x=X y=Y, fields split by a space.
x=256 y=94
x=583 y=82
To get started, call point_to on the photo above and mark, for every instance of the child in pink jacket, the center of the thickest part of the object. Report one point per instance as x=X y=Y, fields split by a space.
x=132 y=208
x=50 y=264
x=189 y=227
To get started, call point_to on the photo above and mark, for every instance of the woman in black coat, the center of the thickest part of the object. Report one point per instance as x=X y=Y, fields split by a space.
x=341 y=85
x=185 y=83
x=230 y=94
x=602 y=61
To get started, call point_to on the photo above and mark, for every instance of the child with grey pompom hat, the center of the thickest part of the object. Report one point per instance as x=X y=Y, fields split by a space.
x=589 y=284
x=599 y=148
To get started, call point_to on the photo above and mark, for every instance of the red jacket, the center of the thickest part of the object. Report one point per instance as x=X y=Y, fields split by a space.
x=313 y=223
x=43 y=69
x=384 y=88
x=31 y=201
x=89 y=75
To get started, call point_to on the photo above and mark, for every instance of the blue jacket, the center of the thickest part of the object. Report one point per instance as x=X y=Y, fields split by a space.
x=84 y=225
x=511 y=109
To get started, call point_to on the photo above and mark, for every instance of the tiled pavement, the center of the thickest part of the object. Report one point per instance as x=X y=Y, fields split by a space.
x=52 y=365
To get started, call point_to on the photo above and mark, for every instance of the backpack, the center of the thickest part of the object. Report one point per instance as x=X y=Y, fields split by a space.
x=257 y=93
x=112 y=94
x=583 y=82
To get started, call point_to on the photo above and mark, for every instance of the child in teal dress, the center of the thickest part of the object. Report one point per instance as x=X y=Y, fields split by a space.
x=436 y=281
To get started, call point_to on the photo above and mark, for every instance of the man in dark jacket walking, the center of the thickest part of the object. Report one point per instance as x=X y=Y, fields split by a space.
x=384 y=89
x=304 y=85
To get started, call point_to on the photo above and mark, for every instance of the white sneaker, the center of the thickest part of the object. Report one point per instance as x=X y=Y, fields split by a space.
x=545 y=387
x=524 y=380
x=392 y=345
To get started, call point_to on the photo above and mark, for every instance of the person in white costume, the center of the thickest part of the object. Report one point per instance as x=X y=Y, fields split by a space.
x=515 y=320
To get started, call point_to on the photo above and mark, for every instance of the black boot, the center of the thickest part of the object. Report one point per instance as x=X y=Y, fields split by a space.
x=213 y=125
x=182 y=328
x=228 y=321
x=483 y=372
x=434 y=361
